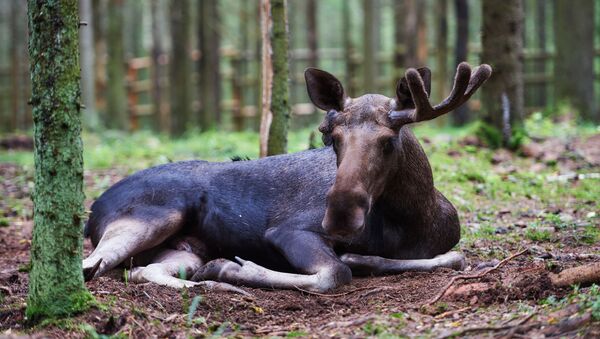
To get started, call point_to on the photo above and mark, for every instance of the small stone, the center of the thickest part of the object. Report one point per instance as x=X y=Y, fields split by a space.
x=501 y=230
x=591 y=215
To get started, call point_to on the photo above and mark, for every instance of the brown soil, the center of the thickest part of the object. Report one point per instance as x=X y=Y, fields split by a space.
x=502 y=303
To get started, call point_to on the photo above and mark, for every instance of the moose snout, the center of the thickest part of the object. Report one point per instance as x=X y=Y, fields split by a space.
x=346 y=211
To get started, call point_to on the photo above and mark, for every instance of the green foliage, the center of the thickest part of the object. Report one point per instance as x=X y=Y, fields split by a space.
x=192 y=309
x=588 y=300
x=538 y=235
x=493 y=138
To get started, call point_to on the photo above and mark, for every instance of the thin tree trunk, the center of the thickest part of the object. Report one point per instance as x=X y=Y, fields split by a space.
x=161 y=111
x=540 y=66
x=502 y=42
x=441 y=46
x=370 y=45
x=134 y=26
x=180 y=64
x=312 y=33
x=574 y=64
x=116 y=96
x=210 y=80
x=56 y=281
x=16 y=46
x=349 y=49
x=88 y=79
x=461 y=115
x=399 y=39
x=275 y=75
x=98 y=25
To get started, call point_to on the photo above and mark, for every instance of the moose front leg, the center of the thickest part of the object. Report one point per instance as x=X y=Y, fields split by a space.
x=374 y=265
x=320 y=269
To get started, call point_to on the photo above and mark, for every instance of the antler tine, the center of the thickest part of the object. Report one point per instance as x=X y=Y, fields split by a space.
x=479 y=76
x=466 y=83
x=455 y=99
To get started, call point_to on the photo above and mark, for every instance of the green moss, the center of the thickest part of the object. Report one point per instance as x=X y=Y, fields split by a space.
x=53 y=307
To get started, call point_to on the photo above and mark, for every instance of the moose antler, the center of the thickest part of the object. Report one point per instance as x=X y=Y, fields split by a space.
x=466 y=83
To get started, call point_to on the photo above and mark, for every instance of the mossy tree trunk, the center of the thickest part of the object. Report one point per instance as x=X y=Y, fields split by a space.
x=574 y=64
x=56 y=281
x=275 y=75
x=502 y=42
x=116 y=93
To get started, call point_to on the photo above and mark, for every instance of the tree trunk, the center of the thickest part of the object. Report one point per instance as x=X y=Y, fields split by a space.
x=312 y=33
x=349 y=48
x=210 y=80
x=275 y=75
x=441 y=46
x=502 y=42
x=370 y=49
x=540 y=65
x=181 y=68
x=116 y=96
x=56 y=281
x=461 y=115
x=88 y=79
x=16 y=51
x=574 y=62
x=399 y=40
x=100 y=73
x=134 y=26
x=161 y=112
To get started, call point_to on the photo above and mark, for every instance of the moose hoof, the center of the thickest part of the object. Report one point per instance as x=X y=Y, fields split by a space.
x=453 y=260
x=218 y=269
x=89 y=272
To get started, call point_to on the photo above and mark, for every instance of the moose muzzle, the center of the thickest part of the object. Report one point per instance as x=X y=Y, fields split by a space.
x=346 y=212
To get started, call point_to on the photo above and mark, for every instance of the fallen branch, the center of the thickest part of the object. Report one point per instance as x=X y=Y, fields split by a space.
x=474 y=276
x=373 y=290
x=583 y=275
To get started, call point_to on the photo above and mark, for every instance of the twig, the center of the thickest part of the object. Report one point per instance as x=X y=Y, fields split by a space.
x=475 y=276
x=374 y=290
x=354 y=322
x=447 y=313
x=514 y=328
x=7 y=289
x=156 y=301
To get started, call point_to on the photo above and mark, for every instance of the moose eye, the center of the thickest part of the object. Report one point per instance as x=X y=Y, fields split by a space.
x=388 y=145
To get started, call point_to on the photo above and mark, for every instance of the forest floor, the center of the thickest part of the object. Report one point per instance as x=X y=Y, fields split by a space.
x=544 y=199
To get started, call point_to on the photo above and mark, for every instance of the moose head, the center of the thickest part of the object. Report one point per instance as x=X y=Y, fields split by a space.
x=365 y=133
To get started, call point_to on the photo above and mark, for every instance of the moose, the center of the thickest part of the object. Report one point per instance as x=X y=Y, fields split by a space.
x=365 y=204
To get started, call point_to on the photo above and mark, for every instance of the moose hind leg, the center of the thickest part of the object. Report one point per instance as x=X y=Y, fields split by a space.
x=130 y=235
x=374 y=265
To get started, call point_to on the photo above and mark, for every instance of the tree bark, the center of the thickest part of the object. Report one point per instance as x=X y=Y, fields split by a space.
x=415 y=33
x=116 y=96
x=180 y=67
x=88 y=79
x=161 y=112
x=56 y=281
x=210 y=79
x=502 y=42
x=275 y=75
x=17 y=54
x=574 y=62
x=461 y=115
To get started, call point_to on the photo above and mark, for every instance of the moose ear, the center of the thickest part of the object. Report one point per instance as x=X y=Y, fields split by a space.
x=403 y=96
x=324 y=90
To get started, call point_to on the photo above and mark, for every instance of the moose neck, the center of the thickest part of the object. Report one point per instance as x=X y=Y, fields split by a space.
x=409 y=190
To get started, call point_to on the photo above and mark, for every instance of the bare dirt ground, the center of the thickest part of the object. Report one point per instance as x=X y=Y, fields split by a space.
x=516 y=300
